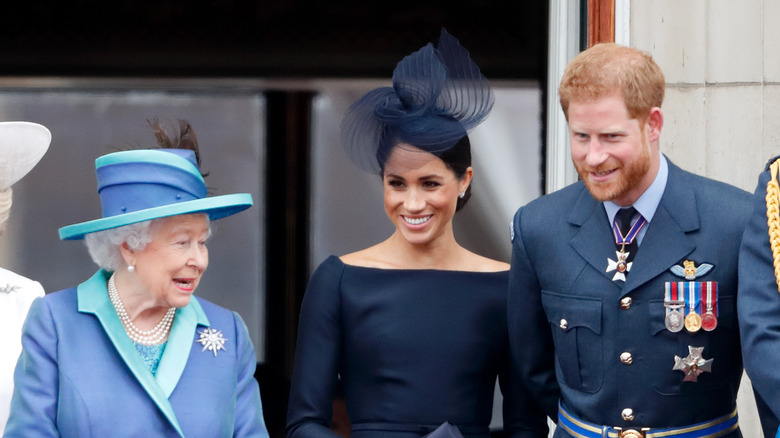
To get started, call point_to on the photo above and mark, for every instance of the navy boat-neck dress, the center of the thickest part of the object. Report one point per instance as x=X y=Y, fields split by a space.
x=413 y=349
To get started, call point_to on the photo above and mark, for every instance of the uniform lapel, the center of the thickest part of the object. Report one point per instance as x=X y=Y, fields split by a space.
x=667 y=240
x=593 y=239
x=93 y=298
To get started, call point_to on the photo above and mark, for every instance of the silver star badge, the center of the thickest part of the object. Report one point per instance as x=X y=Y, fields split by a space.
x=620 y=265
x=212 y=340
x=693 y=364
x=8 y=288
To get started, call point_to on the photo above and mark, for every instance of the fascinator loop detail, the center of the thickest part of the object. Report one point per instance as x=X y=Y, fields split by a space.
x=438 y=96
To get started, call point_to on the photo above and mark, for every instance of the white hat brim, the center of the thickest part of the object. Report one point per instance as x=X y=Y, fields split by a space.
x=22 y=145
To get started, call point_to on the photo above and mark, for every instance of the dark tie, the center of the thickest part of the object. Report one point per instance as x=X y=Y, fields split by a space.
x=623 y=220
x=624 y=216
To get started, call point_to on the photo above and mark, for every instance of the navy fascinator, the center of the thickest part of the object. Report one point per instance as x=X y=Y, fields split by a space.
x=438 y=96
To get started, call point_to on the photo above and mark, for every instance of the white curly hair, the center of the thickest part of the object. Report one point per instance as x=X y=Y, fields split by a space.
x=104 y=245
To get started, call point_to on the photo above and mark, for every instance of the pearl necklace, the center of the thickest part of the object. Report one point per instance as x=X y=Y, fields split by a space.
x=143 y=337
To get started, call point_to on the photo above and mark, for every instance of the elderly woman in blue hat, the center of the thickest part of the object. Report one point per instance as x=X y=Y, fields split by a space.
x=131 y=351
x=22 y=145
x=415 y=326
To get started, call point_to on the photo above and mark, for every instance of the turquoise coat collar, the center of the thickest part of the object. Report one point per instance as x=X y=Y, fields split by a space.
x=93 y=298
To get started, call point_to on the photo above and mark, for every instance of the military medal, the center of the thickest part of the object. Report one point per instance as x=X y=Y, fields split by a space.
x=693 y=364
x=692 y=320
x=698 y=295
x=621 y=265
x=674 y=318
x=709 y=319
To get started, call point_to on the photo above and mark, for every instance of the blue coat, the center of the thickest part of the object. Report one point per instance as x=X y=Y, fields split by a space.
x=568 y=329
x=759 y=311
x=79 y=374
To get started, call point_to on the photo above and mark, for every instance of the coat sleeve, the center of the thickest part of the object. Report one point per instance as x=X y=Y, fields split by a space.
x=523 y=417
x=530 y=338
x=36 y=378
x=315 y=372
x=249 y=410
x=758 y=308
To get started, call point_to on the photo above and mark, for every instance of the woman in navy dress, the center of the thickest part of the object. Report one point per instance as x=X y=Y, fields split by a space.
x=413 y=328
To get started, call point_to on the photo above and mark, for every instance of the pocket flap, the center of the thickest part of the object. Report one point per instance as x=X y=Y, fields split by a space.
x=570 y=311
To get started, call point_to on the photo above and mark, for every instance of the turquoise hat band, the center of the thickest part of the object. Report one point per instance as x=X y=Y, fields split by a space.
x=149 y=156
x=215 y=207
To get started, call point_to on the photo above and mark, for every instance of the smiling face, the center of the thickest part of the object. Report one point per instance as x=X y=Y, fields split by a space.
x=421 y=194
x=615 y=156
x=171 y=265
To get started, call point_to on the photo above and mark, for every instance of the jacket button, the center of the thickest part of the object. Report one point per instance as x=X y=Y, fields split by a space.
x=564 y=324
x=626 y=358
x=628 y=414
x=625 y=303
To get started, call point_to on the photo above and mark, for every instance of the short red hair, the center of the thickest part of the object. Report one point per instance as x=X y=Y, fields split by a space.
x=608 y=68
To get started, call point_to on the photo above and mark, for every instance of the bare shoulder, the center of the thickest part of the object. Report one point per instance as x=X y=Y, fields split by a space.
x=372 y=257
x=480 y=263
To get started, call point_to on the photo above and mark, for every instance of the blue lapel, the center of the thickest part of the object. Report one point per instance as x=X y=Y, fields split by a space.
x=592 y=238
x=93 y=298
x=180 y=343
x=665 y=243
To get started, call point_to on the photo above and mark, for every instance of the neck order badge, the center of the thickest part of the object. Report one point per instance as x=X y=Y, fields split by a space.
x=625 y=240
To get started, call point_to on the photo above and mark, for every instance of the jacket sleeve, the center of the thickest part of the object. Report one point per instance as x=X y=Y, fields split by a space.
x=36 y=378
x=758 y=307
x=523 y=417
x=249 y=410
x=315 y=372
x=530 y=338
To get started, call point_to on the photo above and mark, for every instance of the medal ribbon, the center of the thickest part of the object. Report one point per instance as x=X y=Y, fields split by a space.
x=711 y=297
x=674 y=302
x=673 y=295
x=671 y=292
x=693 y=289
x=628 y=239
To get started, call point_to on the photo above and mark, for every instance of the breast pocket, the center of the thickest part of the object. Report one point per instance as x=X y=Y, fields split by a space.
x=719 y=345
x=576 y=326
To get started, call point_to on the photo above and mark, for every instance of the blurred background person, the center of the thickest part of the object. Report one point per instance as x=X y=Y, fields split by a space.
x=131 y=351
x=22 y=145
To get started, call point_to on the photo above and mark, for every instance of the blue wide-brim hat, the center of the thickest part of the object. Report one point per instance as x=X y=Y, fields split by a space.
x=140 y=185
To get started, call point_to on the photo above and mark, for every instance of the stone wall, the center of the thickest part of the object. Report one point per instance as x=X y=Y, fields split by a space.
x=722 y=106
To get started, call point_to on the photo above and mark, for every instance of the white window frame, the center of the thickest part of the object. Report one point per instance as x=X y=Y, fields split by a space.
x=564 y=39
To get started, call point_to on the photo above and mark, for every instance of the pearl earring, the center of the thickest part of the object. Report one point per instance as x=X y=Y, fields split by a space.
x=462 y=195
x=131 y=268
